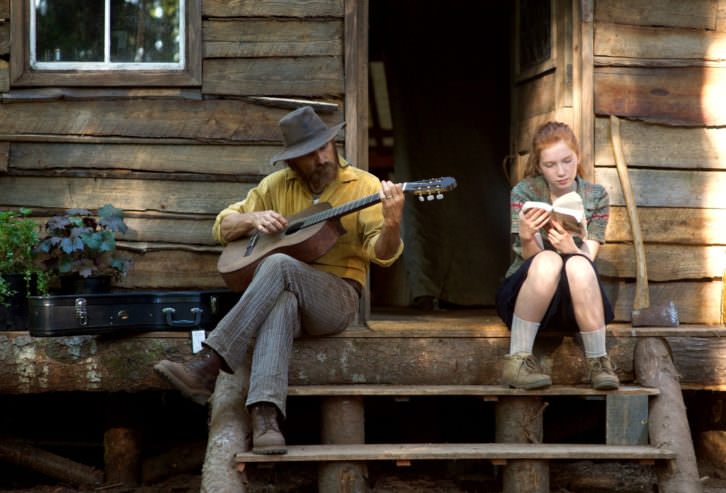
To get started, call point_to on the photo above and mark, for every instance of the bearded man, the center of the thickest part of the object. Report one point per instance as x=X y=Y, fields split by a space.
x=286 y=297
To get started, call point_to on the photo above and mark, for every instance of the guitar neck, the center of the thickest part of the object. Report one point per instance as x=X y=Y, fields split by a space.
x=339 y=211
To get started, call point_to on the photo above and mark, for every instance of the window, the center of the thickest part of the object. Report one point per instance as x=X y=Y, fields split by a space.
x=106 y=42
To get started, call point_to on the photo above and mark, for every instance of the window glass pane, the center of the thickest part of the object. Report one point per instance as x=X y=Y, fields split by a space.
x=145 y=31
x=69 y=30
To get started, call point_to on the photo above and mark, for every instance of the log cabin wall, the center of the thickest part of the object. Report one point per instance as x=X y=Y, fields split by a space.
x=660 y=65
x=172 y=157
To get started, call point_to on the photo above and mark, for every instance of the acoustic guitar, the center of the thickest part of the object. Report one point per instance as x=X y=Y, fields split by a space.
x=309 y=234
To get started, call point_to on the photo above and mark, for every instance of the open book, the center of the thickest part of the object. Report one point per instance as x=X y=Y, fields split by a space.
x=567 y=209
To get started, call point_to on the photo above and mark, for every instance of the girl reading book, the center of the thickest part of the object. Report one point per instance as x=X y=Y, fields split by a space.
x=552 y=283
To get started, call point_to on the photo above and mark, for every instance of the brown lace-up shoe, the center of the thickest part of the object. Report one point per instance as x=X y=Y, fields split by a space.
x=194 y=379
x=602 y=373
x=266 y=436
x=521 y=371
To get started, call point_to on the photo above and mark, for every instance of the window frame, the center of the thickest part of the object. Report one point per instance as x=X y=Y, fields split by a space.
x=22 y=74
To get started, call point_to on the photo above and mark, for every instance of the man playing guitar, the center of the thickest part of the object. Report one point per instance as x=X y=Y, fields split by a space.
x=286 y=297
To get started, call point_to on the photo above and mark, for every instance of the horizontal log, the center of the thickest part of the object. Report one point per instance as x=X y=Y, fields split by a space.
x=272 y=38
x=211 y=159
x=304 y=76
x=89 y=94
x=699 y=14
x=171 y=230
x=668 y=225
x=206 y=121
x=664 y=262
x=89 y=193
x=656 y=188
x=113 y=364
x=619 y=40
x=613 y=61
x=658 y=146
x=674 y=96
x=696 y=302
x=175 y=269
x=269 y=8
x=4 y=9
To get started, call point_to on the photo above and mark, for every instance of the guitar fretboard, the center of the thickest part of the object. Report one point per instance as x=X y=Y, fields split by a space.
x=341 y=210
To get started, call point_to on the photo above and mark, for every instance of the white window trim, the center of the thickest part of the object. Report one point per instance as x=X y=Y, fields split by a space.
x=107 y=64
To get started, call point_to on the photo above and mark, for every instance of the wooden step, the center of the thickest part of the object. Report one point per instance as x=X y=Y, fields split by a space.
x=452 y=451
x=459 y=390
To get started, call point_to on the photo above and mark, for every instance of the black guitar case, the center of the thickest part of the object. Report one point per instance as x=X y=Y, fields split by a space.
x=132 y=311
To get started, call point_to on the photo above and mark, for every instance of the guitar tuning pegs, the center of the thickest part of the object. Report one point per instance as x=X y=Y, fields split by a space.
x=439 y=196
x=429 y=197
x=420 y=198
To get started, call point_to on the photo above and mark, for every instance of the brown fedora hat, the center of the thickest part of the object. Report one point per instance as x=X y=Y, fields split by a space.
x=303 y=132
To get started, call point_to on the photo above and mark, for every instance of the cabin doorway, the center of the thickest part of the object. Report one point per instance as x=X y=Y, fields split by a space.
x=440 y=106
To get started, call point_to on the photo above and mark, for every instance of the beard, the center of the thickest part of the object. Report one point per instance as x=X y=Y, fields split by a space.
x=322 y=176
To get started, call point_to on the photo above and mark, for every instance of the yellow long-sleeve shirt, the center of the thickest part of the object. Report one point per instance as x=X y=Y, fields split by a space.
x=284 y=192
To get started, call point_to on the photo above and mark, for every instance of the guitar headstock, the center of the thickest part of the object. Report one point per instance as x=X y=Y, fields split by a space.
x=433 y=188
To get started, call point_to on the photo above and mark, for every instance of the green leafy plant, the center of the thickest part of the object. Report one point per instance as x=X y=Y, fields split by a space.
x=19 y=236
x=84 y=244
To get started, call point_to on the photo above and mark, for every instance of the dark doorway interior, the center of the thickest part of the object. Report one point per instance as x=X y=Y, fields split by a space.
x=445 y=112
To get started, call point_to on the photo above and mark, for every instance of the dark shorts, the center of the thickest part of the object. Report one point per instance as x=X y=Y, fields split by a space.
x=560 y=315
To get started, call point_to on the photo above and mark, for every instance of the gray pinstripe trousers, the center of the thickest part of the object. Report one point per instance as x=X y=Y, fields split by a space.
x=285 y=298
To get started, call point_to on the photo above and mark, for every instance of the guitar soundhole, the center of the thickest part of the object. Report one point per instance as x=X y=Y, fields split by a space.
x=293 y=228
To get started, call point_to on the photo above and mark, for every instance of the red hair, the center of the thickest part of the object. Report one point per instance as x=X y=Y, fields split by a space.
x=547 y=134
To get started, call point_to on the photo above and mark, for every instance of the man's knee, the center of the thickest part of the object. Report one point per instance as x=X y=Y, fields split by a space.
x=276 y=263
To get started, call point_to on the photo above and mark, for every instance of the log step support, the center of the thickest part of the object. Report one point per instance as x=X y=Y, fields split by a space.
x=342 y=423
x=519 y=420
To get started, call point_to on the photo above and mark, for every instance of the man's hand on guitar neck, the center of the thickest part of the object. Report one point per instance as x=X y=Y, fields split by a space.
x=392 y=199
x=235 y=226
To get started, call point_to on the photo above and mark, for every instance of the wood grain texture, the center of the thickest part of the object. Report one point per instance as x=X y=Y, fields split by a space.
x=138 y=195
x=664 y=262
x=685 y=96
x=659 y=146
x=536 y=96
x=283 y=76
x=4 y=38
x=698 y=302
x=619 y=40
x=207 y=159
x=655 y=188
x=272 y=38
x=172 y=269
x=113 y=364
x=699 y=14
x=685 y=226
x=204 y=121
x=276 y=8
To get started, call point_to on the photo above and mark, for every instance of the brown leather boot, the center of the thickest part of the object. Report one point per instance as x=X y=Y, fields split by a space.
x=194 y=379
x=266 y=436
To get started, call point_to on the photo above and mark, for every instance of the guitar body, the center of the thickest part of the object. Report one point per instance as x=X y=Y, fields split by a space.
x=309 y=234
x=305 y=244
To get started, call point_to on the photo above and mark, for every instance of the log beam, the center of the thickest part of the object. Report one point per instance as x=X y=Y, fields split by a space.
x=343 y=422
x=668 y=425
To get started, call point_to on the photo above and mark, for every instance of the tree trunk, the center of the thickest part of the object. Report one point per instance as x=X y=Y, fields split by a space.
x=668 y=423
x=49 y=464
x=519 y=420
x=229 y=429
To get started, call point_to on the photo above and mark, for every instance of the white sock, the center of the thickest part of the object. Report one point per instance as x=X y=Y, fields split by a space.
x=523 y=334
x=594 y=342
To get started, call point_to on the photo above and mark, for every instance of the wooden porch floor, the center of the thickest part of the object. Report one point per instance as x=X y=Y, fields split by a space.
x=400 y=347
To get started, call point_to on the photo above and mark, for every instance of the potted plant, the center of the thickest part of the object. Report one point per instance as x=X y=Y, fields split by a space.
x=80 y=249
x=20 y=274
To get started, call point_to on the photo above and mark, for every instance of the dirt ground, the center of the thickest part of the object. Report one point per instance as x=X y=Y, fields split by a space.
x=388 y=484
